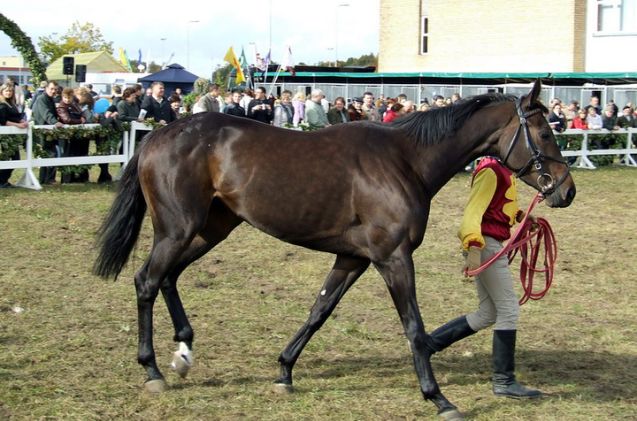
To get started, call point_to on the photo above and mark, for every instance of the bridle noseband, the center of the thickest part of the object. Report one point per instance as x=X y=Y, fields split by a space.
x=537 y=160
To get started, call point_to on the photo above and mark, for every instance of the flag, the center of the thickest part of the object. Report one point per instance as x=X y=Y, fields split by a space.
x=243 y=60
x=231 y=58
x=139 y=56
x=288 y=62
x=124 y=59
x=266 y=62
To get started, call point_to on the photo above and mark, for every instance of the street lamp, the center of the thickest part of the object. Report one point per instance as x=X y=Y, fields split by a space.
x=336 y=32
x=163 y=43
x=188 y=42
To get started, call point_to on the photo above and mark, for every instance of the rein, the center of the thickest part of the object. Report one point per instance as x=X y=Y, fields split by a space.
x=545 y=179
x=527 y=240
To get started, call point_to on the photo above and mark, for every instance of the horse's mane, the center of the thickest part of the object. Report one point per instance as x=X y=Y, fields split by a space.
x=431 y=127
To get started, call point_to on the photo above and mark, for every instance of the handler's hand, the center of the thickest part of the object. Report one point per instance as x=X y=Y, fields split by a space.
x=472 y=260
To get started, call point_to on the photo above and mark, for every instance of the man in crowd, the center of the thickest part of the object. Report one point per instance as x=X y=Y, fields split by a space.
x=259 y=108
x=369 y=109
x=627 y=119
x=234 y=107
x=44 y=114
x=314 y=113
x=211 y=101
x=158 y=107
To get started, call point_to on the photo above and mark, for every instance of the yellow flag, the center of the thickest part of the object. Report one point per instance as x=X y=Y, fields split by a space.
x=124 y=59
x=232 y=59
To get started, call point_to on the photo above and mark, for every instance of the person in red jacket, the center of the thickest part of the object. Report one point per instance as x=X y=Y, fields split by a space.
x=490 y=213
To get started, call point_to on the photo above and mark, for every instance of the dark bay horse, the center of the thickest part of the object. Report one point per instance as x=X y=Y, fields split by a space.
x=361 y=191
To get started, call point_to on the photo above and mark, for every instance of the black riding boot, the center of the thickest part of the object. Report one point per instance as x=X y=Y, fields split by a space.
x=504 y=383
x=449 y=333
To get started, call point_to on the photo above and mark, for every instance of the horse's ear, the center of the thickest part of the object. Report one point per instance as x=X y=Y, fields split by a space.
x=533 y=96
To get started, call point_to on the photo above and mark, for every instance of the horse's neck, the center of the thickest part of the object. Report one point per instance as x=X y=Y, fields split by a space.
x=477 y=137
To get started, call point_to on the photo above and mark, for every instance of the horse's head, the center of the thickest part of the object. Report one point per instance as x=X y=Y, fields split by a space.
x=532 y=152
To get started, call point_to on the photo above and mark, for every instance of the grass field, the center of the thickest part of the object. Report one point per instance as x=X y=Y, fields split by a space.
x=71 y=352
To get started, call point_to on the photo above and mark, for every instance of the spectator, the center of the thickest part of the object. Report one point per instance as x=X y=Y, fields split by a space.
x=394 y=112
x=248 y=96
x=338 y=114
x=627 y=119
x=579 y=122
x=157 y=106
x=10 y=115
x=284 y=111
x=210 y=102
x=44 y=114
x=234 y=107
x=424 y=107
x=355 y=110
x=314 y=113
x=39 y=91
x=139 y=94
x=556 y=119
x=259 y=108
x=613 y=107
x=570 y=113
x=117 y=95
x=127 y=108
x=67 y=110
x=439 y=101
x=179 y=93
x=408 y=107
x=26 y=92
x=86 y=102
x=593 y=119
x=175 y=105
x=401 y=98
x=609 y=121
x=93 y=94
x=368 y=107
x=299 y=108
x=455 y=97
x=594 y=103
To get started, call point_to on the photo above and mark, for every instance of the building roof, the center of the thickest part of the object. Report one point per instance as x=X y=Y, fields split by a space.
x=13 y=62
x=96 y=62
x=174 y=73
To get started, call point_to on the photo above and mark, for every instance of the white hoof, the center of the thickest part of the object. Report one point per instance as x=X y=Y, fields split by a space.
x=282 y=388
x=451 y=415
x=155 y=386
x=182 y=360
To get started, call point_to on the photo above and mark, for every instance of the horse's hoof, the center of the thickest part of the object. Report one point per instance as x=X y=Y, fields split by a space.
x=451 y=415
x=155 y=386
x=182 y=360
x=282 y=388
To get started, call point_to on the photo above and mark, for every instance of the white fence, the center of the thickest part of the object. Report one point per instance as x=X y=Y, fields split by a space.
x=582 y=155
x=29 y=180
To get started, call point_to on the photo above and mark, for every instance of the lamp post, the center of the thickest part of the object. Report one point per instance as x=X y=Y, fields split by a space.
x=163 y=43
x=188 y=42
x=336 y=32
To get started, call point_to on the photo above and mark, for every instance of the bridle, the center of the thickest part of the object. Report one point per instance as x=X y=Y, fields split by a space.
x=537 y=160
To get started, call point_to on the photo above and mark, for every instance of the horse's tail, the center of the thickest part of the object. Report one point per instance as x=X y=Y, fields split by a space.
x=119 y=231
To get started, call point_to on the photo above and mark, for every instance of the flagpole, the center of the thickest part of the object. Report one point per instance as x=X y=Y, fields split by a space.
x=276 y=76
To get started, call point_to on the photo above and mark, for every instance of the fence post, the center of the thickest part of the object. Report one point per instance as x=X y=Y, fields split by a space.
x=627 y=159
x=583 y=161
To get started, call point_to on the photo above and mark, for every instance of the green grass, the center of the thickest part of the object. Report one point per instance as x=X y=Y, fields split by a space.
x=72 y=353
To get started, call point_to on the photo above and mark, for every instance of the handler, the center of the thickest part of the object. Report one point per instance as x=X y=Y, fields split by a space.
x=490 y=212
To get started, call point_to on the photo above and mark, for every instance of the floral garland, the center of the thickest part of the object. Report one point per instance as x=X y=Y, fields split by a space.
x=21 y=42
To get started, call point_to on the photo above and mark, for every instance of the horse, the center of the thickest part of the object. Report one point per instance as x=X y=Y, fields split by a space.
x=361 y=191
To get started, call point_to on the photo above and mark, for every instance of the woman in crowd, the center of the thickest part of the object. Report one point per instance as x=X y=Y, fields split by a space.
x=175 y=105
x=67 y=110
x=298 y=102
x=393 y=113
x=556 y=118
x=355 y=110
x=128 y=107
x=284 y=111
x=248 y=95
x=9 y=116
x=593 y=120
x=579 y=121
x=338 y=114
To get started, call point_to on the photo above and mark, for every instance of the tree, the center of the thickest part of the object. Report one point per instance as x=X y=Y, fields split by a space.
x=80 y=38
x=152 y=66
x=21 y=42
x=364 y=60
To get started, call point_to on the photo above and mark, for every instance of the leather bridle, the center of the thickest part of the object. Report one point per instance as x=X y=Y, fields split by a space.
x=537 y=160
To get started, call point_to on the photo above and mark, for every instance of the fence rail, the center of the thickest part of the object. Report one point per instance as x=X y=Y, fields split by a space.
x=29 y=180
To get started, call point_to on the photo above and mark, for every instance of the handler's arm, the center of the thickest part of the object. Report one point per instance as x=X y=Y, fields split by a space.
x=482 y=191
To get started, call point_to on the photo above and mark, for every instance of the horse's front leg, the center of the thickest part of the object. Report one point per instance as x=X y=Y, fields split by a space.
x=183 y=358
x=398 y=273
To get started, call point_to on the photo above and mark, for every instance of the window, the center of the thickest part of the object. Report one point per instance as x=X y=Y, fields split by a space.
x=424 y=43
x=617 y=15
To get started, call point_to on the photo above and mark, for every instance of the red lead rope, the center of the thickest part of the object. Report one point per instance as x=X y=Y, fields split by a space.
x=528 y=241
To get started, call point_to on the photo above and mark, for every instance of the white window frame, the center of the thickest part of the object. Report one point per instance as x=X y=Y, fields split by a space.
x=424 y=35
x=619 y=4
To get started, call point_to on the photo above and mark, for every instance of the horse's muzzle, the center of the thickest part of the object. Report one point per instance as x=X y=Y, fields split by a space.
x=562 y=197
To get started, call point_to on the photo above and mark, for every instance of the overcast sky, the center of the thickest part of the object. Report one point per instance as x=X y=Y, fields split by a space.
x=133 y=25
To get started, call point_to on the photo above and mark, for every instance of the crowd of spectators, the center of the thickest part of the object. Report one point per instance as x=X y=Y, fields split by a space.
x=52 y=105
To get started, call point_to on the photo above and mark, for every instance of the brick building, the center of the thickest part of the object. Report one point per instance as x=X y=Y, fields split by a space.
x=507 y=36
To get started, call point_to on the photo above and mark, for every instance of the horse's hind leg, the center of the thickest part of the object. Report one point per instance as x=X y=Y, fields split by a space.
x=344 y=273
x=220 y=223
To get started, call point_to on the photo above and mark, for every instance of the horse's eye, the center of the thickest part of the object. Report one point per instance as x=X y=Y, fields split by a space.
x=545 y=136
